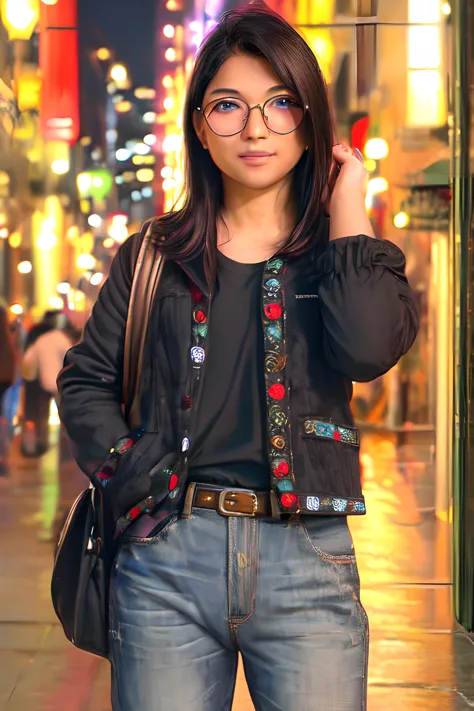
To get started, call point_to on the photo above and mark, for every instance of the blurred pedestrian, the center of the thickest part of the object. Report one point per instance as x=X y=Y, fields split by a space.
x=7 y=377
x=231 y=499
x=42 y=362
x=12 y=398
x=36 y=400
x=43 y=359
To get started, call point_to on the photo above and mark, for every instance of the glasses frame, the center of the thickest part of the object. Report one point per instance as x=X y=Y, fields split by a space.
x=202 y=111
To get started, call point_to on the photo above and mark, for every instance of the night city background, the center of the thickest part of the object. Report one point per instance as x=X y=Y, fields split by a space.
x=91 y=93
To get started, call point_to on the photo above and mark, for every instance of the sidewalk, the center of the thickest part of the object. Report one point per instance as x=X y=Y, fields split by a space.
x=418 y=660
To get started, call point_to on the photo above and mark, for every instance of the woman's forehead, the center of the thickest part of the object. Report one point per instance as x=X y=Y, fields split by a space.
x=245 y=75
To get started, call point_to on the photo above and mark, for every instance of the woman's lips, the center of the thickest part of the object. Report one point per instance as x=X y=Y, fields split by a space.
x=256 y=157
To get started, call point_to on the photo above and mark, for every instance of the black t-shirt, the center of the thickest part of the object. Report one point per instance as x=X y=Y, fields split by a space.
x=230 y=443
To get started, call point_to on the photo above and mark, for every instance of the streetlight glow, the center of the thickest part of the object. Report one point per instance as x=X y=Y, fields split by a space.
x=119 y=74
x=24 y=267
x=103 y=53
x=60 y=167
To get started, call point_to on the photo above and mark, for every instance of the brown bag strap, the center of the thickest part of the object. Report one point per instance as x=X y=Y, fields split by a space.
x=146 y=276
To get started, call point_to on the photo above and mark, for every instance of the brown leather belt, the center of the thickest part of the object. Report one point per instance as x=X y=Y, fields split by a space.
x=232 y=502
x=247 y=502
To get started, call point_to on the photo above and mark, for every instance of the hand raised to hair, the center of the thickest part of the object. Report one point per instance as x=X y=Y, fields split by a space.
x=351 y=183
x=347 y=203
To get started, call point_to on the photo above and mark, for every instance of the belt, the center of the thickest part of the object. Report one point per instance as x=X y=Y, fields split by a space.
x=231 y=502
x=247 y=502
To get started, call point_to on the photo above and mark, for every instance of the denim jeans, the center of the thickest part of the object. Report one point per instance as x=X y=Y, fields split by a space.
x=284 y=595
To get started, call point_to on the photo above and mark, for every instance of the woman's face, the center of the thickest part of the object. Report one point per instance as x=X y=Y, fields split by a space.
x=255 y=158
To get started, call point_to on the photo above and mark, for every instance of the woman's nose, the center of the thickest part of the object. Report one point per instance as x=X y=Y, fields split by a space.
x=255 y=126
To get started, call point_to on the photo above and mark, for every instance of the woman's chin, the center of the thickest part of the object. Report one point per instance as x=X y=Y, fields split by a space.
x=256 y=179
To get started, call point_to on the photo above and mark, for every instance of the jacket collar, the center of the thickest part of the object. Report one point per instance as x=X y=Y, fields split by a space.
x=194 y=268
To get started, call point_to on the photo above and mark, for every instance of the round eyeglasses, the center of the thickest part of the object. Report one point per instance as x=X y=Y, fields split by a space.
x=229 y=116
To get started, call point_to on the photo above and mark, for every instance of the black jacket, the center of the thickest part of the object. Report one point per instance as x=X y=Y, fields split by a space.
x=340 y=313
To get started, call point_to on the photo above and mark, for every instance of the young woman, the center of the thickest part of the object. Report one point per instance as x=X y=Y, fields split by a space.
x=272 y=301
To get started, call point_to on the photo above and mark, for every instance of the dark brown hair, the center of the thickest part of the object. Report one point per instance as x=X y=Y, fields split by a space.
x=258 y=31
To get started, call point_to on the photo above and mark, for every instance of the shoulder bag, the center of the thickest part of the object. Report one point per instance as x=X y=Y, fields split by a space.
x=85 y=552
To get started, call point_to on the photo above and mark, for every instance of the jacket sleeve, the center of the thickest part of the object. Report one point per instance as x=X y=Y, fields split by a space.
x=368 y=309
x=90 y=384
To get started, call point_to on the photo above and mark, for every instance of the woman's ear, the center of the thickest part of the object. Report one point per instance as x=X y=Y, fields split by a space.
x=200 y=129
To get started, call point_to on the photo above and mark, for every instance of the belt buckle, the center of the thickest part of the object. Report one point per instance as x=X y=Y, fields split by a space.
x=230 y=496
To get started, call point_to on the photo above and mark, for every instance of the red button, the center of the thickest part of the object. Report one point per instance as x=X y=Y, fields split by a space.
x=126 y=445
x=287 y=500
x=200 y=316
x=281 y=469
x=186 y=402
x=276 y=391
x=272 y=311
x=337 y=435
x=173 y=482
x=134 y=513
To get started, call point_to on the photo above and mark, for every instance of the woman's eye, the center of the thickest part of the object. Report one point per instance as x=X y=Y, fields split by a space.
x=226 y=106
x=285 y=102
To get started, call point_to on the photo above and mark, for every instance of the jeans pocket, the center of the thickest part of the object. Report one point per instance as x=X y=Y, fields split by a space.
x=330 y=538
x=158 y=533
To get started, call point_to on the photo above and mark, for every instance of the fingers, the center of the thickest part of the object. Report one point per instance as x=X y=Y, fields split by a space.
x=343 y=154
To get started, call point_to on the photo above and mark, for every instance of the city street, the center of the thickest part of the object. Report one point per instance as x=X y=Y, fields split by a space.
x=419 y=659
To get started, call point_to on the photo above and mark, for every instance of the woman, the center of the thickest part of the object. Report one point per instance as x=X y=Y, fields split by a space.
x=257 y=557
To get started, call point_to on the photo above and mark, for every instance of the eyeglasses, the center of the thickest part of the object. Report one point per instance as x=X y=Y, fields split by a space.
x=229 y=116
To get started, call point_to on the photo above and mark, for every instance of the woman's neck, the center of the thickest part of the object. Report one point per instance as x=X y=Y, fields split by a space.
x=254 y=224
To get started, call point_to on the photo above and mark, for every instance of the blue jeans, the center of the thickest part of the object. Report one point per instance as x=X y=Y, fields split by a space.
x=286 y=595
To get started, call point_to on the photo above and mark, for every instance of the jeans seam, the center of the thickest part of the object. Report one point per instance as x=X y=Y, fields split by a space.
x=366 y=656
x=327 y=557
x=236 y=620
x=240 y=619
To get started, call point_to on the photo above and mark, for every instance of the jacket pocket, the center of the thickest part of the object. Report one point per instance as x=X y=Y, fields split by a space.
x=323 y=428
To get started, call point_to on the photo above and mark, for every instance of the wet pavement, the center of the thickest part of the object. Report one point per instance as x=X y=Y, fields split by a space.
x=419 y=659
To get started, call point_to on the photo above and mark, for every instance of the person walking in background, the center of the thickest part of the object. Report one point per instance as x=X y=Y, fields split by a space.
x=42 y=362
x=44 y=357
x=12 y=398
x=7 y=377
x=36 y=400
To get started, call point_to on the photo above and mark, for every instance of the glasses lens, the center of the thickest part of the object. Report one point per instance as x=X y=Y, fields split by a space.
x=283 y=114
x=226 y=117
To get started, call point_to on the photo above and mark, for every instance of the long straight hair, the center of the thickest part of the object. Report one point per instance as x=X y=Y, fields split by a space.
x=254 y=30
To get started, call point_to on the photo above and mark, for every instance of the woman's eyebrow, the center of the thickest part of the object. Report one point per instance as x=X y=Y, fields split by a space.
x=234 y=92
x=225 y=91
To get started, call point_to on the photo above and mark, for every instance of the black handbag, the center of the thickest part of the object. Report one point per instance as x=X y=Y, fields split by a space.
x=86 y=547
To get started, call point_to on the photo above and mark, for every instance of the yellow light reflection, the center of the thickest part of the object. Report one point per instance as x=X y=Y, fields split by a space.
x=425 y=98
x=401 y=220
x=376 y=148
x=424 y=50
x=119 y=74
x=14 y=240
x=103 y=53
x=24 y=267
x=20 y=17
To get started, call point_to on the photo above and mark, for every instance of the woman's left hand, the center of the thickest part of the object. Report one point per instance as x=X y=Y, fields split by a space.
x=351 y=183
x=347 y=203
